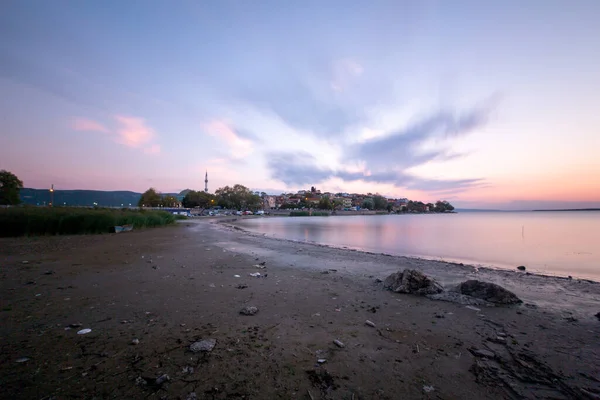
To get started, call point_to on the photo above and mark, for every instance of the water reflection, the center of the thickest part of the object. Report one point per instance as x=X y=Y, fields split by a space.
x=551 y=242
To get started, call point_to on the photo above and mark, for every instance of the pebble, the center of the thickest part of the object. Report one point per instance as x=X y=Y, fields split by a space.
x=242 y=286
x=370 y=323
x=321 y=360
x=338 y=343
x=249 y=310
x=84 y=331
x=205 y=345
x=22 y=359
x=135 y=341
x=428 y=389
x=162 y=379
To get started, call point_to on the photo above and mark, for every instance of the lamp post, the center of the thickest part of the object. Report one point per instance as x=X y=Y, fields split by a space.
x=51 y=195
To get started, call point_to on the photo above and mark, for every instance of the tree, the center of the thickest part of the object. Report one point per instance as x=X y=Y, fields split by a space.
x=368 y=204
x=198 y=199
x=443 y=206
x=170 y=201
x=389 y=207
x=150 y=198
x=325 y=203
x=10 y=187
x=238 y=197
x=379 y=202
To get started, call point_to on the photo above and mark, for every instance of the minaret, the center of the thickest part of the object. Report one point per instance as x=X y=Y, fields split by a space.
x=206 y=182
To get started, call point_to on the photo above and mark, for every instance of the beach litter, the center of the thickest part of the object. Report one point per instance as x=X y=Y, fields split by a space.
x=249 y=310
x=255 y=274
x=338 y=343
x=370 y=323
x=259 y=266
x=205 y=345
x=84 y=331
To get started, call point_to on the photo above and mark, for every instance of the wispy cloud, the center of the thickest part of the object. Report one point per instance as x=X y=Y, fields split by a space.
x=129 y=131
x=388 y=159
x=239 y=146
x=344 y=73
x=133 y=132
x=84 y=124
x=154 y=149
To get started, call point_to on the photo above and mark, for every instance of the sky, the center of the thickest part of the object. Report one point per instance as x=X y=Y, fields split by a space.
x=486 y=104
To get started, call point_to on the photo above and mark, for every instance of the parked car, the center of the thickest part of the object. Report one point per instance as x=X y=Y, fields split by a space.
x=238 y=213
x=260 y=212
x=248 y=212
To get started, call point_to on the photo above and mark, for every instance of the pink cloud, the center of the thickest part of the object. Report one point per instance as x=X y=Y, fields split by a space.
x=133 y=132
x=239 y=147
x=84 y=124
x=130 y=131
x=154 y=149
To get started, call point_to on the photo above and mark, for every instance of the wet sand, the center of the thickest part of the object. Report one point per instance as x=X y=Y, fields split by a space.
x=173 y=286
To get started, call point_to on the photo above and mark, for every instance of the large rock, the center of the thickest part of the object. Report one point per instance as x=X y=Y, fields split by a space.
x=488 y=292
x=412 y=281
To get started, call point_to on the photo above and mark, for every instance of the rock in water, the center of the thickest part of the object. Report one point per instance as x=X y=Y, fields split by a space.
x=488 y=292
x=412 y=281
x=521 y=268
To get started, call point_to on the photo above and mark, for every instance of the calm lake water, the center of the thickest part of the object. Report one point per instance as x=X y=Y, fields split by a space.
x=556 y=243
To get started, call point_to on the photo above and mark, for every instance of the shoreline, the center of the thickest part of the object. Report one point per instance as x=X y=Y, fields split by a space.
x=557 y=294
x=448 y=261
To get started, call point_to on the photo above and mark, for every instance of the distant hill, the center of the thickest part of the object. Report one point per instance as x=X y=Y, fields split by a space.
x=80 y=197
x=84 y=197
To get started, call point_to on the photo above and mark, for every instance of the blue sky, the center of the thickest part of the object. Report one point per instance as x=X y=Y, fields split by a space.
x=487 y=104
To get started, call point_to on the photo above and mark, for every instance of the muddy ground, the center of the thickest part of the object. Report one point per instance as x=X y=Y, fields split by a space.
x=171 y=287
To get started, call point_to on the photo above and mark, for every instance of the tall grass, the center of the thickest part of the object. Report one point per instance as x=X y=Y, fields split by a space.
x=24 y=221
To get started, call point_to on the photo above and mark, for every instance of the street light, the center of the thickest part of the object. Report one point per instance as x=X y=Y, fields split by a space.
x=51 y=195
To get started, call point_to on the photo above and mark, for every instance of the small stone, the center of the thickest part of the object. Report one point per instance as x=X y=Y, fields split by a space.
x=521 y=268
x=191 y=396
x=338 y=343
x=428 y=389
x=22 y=359
x=162 y=379
x=378 y=280
x=242 y=286
x=370 y=323
x=498 y=339
x=249 y=310
x=321 y=360
x=73 y=326
x=135 y=341
x=25 y=262
x=482 y=353
x=49 y=272
x=324 y=272
x=84 y=331
x=205 y=345
x=598 y=315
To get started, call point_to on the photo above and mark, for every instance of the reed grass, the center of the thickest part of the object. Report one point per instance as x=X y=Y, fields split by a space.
x=36 y=221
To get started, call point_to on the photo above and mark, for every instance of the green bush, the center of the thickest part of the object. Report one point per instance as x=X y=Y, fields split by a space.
x=23 y=221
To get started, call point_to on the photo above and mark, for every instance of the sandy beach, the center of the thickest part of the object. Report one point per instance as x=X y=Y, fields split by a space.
x=147 y=296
